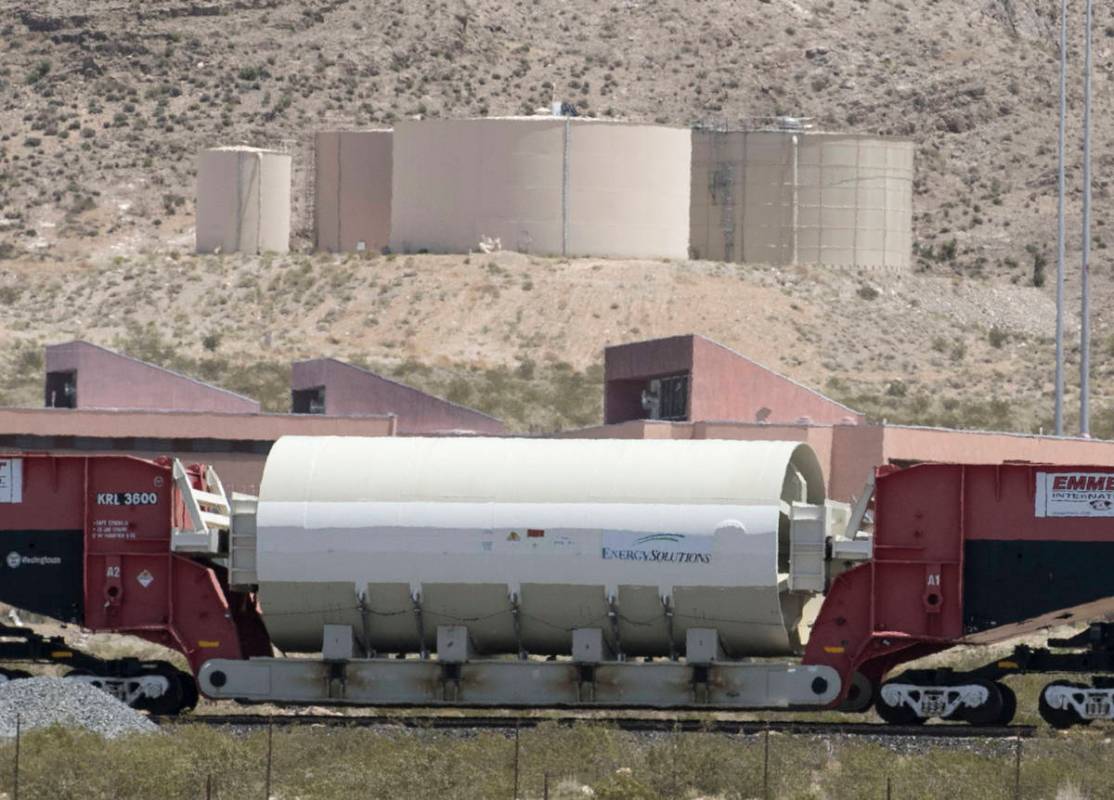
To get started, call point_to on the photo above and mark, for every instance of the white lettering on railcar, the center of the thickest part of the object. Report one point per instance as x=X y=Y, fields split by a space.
x=112 y=529
x=1075 y=494
x=11 y=480
x=127 y=498
x=16 y=560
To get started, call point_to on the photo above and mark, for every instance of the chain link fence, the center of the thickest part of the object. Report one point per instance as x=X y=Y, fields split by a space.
x=550 y=761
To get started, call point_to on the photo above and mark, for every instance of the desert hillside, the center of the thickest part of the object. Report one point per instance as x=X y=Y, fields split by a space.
x=521 y=337
x=104 y=105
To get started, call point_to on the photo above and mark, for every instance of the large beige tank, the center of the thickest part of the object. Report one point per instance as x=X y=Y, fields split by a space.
x=525 y=540
x=243 y=201
x=802 y=197
x=352 y=192
x=547 y=185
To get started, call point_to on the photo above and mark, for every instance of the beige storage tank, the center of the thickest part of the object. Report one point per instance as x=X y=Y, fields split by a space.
x=547 y=185
x=802 y=197
x=352 y=192
x=243 y=201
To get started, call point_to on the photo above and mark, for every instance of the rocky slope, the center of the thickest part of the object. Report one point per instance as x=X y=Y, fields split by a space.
x=104 y=105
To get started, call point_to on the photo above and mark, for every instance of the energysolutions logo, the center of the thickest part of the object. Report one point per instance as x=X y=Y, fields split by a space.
x=657 y=548
x=660 y=537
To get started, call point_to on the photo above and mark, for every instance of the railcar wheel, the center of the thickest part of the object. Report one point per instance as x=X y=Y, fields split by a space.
x=172 y=701
x=1059 y=718
x=1009 y=704
x=990 y=712
x=860 y=695
x=13 y=675
x=190 y=695
x=1083 y=686
x=896 y=715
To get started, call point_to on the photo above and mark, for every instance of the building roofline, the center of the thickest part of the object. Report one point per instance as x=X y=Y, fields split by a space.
x=883 y=426
x=244 y=148
x=985 y=432
x=339 y=131
x=147 y=423
x=628 y=123
x=749 y=360
x=185 y=412
x=167 y=370
x=392 y=381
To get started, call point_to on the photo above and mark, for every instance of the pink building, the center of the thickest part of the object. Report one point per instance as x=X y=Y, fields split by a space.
x=83 y=375
x=682 y=387
x=688 y=387
x=329 y=386
x=685 y=378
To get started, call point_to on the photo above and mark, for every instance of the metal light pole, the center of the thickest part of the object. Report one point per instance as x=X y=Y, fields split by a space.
x=1060 y=237
x=1085 y=277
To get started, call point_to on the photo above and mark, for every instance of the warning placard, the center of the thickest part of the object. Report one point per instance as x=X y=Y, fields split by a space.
x=11 y=480
x=1075 y=494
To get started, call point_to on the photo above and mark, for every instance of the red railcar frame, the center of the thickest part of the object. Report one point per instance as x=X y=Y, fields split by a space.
x=965 y=554
x=124 y=511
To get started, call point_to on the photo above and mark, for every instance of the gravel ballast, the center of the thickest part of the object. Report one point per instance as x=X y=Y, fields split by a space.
x=42 y=702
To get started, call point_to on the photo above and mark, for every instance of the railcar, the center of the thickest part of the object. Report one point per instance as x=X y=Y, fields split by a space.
x=519 y=572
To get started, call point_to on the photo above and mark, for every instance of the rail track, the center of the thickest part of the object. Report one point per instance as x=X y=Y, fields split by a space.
x=631 y=724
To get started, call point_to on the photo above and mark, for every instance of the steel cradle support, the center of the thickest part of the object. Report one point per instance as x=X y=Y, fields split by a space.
x=403 y=682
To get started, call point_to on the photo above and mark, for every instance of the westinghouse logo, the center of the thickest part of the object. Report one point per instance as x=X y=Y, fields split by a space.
x=658 y=548
x=15 y=560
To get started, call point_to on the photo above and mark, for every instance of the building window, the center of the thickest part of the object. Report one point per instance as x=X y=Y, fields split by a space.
x=61 y=389
x=667 y=398
x=308 y=401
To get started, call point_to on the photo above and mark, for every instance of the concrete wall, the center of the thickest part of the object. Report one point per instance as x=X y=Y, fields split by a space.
x=802 y=198
x=819 y=437
x=850 y=453
x=723 y=384
x=235 y=444
x=553 y=186
x=634 y=429
x=856 y=451
x=352 y=192
x=903 y=443
x=243 y=201
x=106 y=379
x=185 y=425
x=350 y=390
